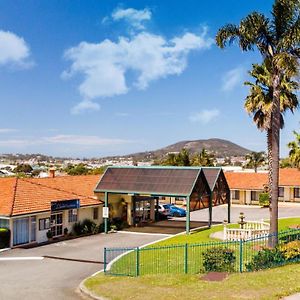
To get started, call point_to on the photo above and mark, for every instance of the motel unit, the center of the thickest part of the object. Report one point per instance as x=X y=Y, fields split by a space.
x=29 y=207
x=246 y=187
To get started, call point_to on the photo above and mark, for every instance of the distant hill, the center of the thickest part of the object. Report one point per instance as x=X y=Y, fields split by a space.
x=221 y=148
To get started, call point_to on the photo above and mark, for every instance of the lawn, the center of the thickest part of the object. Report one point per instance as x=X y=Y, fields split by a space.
x=269 y=284
x=171 y=255
x=202 y=236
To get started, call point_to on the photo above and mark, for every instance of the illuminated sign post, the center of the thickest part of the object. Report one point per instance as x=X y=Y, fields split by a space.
x=105 y=212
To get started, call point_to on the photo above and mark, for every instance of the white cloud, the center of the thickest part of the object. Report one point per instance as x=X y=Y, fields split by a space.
x=7 y=130
x=85 y=140
x=85 y=105
x=105 y=65
x=64 y=139
x=134 y=17
x=232 y=78
x=204 y=116
x=13 y=49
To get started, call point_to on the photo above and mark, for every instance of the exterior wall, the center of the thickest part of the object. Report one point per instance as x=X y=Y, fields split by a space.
x=245 y=196
x=242 y=198
x=41 y=235
x=117 y=206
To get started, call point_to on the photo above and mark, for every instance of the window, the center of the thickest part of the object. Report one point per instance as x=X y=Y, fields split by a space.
x=44 y=224
x=254 y=195
x=4 y=223
x=296 y=192
x=236 y=194
x=95 y=213
x=72 y=215
x=281 y=191
x=21 y=231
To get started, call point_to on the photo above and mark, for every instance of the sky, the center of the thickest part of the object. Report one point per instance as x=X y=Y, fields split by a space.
x=92 y=78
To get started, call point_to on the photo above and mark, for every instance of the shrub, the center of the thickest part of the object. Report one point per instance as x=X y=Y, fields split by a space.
x=77 y=228
x=219 y=259
x=264 y=199
x=49 y=234
x=88 y=226
x=265 y=259
x=84 y=227
x=119 y=223
x=289 y=237
x=291 y=250
x=4 y=238
x=66 y=230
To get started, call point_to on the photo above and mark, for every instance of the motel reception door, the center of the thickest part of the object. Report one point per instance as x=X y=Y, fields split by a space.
x=57 y=224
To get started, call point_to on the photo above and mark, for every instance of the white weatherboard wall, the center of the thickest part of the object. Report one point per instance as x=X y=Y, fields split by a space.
x=41 y=235
x=83 y=213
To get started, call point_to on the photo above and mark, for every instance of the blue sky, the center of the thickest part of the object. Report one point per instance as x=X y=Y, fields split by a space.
x=94 y=78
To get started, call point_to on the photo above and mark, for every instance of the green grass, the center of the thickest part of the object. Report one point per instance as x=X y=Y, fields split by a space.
x=168 y=256
x=269 y=284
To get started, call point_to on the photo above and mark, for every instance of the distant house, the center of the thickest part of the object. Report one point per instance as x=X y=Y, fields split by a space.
x=246 y=187
x=30 y=207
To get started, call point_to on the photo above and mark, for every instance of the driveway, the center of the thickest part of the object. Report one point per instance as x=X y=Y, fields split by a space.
x=55 y=278
x=252 y=213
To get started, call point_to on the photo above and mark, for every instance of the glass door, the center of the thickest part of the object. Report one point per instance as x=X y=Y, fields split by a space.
x=57 y=224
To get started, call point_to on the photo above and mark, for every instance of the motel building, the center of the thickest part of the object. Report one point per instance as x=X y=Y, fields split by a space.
x=246 y=187
x=29 y=207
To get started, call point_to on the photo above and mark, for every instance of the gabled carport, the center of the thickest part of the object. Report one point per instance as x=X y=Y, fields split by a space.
x=157 y=181
x=220 y=192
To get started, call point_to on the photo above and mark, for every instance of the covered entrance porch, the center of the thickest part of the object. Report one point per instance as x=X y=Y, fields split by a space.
x=133 y=193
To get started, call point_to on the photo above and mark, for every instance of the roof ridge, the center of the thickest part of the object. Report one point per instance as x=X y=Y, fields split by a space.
x=14 y=195
x=57 y=189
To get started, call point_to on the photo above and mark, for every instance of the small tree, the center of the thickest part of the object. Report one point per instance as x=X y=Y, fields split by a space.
x=23 y=168
x=294 y=153
x=255 y=160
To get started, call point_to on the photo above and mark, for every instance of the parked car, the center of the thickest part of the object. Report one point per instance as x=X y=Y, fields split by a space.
x=163 y=209
x=175 y=211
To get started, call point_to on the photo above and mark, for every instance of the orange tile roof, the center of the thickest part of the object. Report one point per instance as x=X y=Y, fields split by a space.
x=29 y=195
x=257 y=181
x=289 y=177
x=246 y=181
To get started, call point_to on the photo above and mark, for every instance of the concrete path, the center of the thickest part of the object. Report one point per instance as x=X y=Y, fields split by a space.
x=59 y=279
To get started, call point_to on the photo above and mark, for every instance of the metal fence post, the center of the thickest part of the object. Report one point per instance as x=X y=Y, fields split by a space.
x=241 y=255
x=186 y=258
x=105 y=259
x=137 y=266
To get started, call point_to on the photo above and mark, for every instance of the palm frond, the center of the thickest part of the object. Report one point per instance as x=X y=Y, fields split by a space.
x=227 y=34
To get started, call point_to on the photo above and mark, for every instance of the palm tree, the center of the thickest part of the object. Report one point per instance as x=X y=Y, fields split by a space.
x=294 y=153
x=259 y=101
x=277 y=39
x=177 y=159
x=255 y=160
x=204 y=159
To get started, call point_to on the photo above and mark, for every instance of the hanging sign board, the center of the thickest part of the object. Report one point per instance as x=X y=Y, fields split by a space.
x=65 y=204
x=105 y=212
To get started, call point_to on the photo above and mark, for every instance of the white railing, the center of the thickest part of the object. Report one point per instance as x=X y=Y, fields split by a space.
x=252 y=229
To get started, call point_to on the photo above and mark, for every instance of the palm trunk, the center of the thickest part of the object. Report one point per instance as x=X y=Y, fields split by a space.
x=274 y=171
x=269 y=143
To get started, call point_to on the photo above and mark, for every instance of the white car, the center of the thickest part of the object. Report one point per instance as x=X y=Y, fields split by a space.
x=163 y=209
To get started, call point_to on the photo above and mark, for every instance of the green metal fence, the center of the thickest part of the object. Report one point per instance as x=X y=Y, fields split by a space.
x=185 y=258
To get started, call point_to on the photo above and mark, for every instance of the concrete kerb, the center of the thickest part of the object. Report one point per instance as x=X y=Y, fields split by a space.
x=5 y=249
x=85 y=291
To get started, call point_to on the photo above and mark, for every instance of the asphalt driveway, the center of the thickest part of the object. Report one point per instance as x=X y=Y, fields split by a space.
x=55 y=278
x=252 y=213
